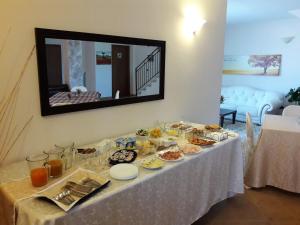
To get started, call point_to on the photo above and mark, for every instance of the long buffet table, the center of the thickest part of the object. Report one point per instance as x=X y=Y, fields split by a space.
x=178 y=194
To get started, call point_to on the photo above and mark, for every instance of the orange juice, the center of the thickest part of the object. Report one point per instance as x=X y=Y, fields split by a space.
x=39 y=177
x=56 y=167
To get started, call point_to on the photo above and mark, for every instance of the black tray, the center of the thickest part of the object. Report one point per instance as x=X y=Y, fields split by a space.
x=115 y=162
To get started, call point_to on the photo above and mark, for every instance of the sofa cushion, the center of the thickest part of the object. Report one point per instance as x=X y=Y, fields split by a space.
x=244 y=97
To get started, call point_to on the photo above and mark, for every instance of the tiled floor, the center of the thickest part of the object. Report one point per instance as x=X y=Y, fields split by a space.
x=267 y=206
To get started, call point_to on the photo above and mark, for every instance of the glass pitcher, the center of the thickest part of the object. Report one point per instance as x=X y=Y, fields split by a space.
x=38 y=166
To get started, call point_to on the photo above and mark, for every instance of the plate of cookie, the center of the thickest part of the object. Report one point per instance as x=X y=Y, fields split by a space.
x=201 y=141
x=213 y=127
x=122 y=156
x=170 y=155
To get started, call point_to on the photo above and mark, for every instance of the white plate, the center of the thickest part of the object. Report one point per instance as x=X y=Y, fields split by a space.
x=175 y=160
x=152 y=168
x=164 y=141
x=192 y=153
x=124 y=171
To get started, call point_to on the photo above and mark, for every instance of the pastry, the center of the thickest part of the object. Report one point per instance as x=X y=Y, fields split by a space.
x=201 y=141
x=155 y=133
x=170 y=155
x=142 y=132
x=213 y=127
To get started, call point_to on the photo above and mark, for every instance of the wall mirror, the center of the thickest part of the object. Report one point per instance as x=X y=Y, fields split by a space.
x=80 y=71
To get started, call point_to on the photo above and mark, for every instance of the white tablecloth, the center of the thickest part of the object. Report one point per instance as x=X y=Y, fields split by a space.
x=178 y=194
x=282 y=123
x=276 y=159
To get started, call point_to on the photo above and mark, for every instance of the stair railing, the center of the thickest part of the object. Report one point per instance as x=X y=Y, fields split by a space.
x=147 y=70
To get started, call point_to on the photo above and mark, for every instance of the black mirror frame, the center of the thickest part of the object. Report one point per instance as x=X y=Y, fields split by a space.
x=41 y=34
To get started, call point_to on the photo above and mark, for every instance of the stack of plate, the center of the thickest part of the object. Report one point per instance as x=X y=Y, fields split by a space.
x=124 y=171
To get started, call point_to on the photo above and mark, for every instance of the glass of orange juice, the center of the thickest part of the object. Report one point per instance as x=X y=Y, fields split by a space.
x=38 y=169
x=55 y=162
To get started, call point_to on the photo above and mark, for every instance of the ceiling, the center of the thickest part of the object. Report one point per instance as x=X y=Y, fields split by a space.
x=245 y=11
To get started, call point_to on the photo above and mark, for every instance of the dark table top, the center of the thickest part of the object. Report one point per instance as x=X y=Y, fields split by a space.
x=224 y=112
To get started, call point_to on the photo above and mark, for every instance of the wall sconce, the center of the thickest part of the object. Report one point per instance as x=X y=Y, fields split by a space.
x=193 y=22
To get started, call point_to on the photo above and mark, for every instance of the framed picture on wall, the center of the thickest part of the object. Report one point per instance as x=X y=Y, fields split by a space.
x=263 y=65
x=103 y=58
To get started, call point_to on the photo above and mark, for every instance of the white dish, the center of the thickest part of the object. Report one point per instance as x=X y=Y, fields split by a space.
x=146 y=163
x=164 y=141
x=191 y=146
x=124 y=171
x=175 y=160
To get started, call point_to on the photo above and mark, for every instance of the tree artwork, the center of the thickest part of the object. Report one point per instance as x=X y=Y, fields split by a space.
x=265 y=61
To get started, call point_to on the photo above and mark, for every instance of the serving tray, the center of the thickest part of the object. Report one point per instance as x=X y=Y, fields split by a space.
x=113 y=161
x=77 y=176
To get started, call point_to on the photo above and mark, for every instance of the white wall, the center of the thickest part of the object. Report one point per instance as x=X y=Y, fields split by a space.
x=88 y=64
x=103 y=72
x=265 y=38
x=193 y=65
x=141 y=52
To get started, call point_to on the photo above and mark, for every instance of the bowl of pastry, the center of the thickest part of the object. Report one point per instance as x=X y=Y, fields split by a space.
x=195 y=132
x=142 y=135
x=181 y=126
x=146 y=147
x=155 y=133
x=86 y=153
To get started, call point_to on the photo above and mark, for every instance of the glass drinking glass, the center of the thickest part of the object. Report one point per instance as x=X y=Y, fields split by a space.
x=86 y=156
x=160 y=124
x=38 y=166
x=56 y=162
x=68 y=155
x=171 y=131
x=106 y=151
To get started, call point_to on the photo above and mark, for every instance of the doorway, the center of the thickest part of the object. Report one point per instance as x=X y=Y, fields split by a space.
x=120 y=70
x=54 y=58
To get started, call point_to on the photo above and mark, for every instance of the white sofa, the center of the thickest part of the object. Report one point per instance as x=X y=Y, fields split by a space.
x=246 y=99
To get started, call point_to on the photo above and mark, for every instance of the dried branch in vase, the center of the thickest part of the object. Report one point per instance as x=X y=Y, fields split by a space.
x=10 y=134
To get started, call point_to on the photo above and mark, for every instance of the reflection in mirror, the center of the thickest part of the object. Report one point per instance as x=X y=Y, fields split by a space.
x=81 y=71
x=85 y=71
